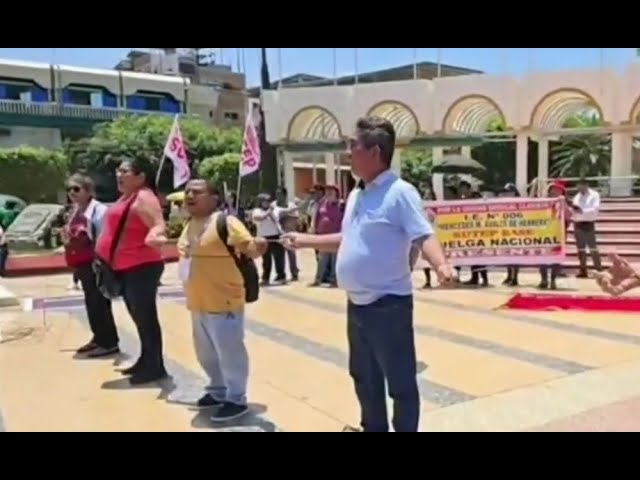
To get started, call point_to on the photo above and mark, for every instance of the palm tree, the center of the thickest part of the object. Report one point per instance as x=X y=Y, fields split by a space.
x=416 y=166
x=497 y=125
x=582 y=155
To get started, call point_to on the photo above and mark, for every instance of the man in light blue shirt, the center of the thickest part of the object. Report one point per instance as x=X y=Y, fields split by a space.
x=384 y=226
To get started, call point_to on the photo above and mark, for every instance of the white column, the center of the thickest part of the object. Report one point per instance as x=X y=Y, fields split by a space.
x=543 y=165
x=438 y=155
x=465 y=151
x=314 y=175
x=396 y=162
x=330 y=168
x=280 y=165
x=522 y=164
x=621 y=164
x=289 y=175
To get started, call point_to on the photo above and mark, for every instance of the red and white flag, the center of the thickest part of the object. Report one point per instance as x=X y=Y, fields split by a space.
x=176 y=152
x=251 y=155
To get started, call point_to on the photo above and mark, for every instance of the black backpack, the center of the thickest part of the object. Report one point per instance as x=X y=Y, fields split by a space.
x=245 y=264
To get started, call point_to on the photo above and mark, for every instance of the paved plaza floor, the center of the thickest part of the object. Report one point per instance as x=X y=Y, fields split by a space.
x=482 y=368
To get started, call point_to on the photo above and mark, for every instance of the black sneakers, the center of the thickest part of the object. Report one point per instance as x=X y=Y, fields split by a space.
x=207 y=401
x=93 y=350
x=100 y=352
x=87 y=348
x=229 y=411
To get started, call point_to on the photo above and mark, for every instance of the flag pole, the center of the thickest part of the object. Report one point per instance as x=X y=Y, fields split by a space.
x=355 y=62
x=244 y=134
x=251 y=155
x=161 y=164
x=279 y=68
x=238 y=190
x=175 y=150
x=159 y=172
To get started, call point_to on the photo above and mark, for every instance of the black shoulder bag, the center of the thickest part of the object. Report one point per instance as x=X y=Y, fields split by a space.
x=107 y=279
x=245 y=265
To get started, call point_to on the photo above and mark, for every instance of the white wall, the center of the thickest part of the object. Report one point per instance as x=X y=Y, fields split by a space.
x=429 y=100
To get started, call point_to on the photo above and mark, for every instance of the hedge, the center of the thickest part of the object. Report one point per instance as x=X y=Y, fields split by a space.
x=33 y=174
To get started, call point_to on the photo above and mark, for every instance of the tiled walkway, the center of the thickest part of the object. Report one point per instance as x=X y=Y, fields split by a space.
x=486 y=369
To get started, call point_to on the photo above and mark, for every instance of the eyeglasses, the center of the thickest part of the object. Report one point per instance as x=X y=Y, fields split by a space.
x=73 y=189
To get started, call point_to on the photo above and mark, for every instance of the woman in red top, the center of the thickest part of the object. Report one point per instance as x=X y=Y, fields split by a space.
x=83 y=226
x=138 y=261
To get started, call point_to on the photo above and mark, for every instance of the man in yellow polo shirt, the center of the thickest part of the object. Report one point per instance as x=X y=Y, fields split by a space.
x=215 y=294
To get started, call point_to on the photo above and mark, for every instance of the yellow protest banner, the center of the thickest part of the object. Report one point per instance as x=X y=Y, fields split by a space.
x=501 y=231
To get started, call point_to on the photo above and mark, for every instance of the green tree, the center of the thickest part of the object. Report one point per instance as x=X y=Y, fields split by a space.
x=145 y=137
x=581 y=155
x=416 y=166
x=497 y=156
x=223 y=170
x=34 y=174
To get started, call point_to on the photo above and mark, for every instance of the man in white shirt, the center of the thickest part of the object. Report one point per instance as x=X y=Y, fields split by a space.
x=586 y=206
x=287 y=214
x=4 y=252
x=267 y=224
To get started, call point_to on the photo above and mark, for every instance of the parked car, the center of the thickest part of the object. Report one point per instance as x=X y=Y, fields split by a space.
x=36 y=227
x=10 y=207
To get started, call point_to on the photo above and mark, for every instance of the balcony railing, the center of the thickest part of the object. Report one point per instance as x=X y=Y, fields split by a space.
x=87 y=112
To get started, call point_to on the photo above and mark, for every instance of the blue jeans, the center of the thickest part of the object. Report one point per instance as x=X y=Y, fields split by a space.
x=220 y=348
x=382 y=349
x=326 y=267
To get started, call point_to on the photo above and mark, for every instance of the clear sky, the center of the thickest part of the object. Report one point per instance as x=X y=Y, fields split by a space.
x=319 y=61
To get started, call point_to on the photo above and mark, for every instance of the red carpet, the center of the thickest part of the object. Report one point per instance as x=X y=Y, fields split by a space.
x=534 y=301
x=34 y=265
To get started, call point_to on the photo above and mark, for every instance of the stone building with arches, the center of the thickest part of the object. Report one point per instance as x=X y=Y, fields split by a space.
x=534 y=107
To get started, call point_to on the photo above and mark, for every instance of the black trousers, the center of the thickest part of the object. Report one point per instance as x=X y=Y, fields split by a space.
x=101 y=321
x=140 y=291
x=4 y=254
x=275 y=254
x=382 y=353
x=549 y=272
x=586 y=238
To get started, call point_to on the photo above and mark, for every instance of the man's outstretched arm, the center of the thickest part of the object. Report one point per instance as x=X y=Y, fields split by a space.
x=323 y=243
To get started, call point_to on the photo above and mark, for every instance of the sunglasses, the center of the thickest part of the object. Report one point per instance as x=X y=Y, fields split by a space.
x=74 y=189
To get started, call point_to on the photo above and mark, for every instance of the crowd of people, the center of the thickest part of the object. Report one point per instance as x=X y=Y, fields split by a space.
x=363 y=245
x=115 y=252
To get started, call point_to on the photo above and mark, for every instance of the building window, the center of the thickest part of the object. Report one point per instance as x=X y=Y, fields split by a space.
x=153 y=103
x=83 y=96
x=14 y=91
x=78 y=97
x=232 y=116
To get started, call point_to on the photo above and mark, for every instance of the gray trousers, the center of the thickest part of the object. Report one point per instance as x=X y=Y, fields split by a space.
x=220 y=348
x=585 y=233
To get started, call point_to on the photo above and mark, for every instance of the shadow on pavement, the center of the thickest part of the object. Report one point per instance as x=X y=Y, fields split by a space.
x=250 y=423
